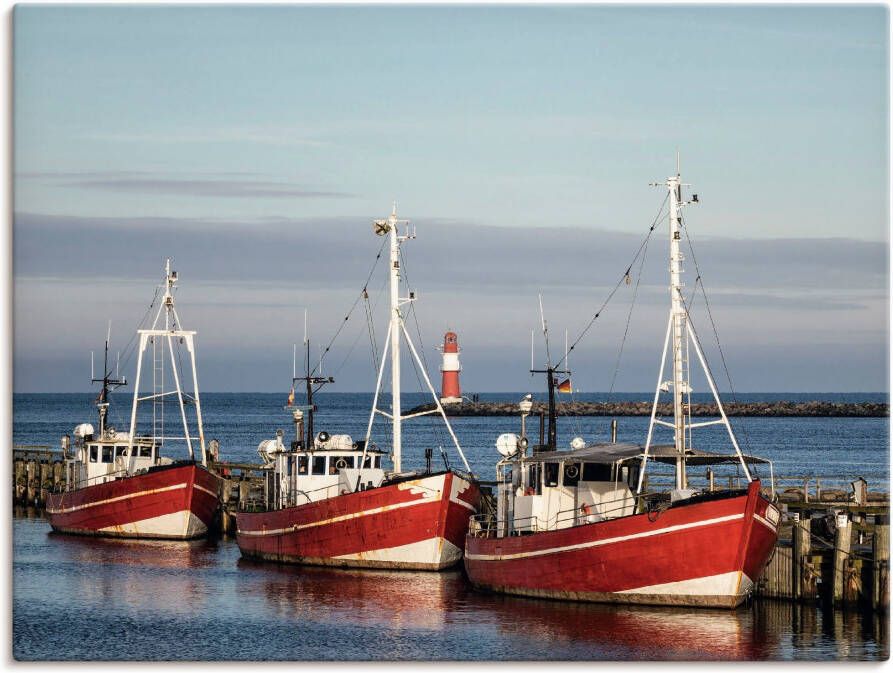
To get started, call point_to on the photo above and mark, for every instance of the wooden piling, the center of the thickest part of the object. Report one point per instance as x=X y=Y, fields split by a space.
x=842 y=545
x=880 y=595
x=801 y=568
x=244 y=493
x=31 y=472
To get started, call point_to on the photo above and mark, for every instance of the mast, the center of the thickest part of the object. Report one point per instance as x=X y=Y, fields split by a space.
x=102 y=403
x=550 y=372
x=678 y=313
x=165 y=337
x=394 y=325
x=309 y=381
x=680 y=334
x=396 y=328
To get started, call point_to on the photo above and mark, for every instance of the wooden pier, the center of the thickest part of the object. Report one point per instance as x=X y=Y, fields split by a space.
x=833 y=547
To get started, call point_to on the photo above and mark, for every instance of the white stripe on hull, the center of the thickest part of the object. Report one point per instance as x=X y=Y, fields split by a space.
x=599 y=543
x=720 y=591
x=432 y=554
x=126 y=496
x=734 y=583
x=428 y=494
x=176 y=525
x=437 y=552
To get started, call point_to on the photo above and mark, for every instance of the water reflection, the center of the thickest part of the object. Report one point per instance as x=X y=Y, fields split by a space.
x=649 y=633
x=392 y=599
x=155 y=575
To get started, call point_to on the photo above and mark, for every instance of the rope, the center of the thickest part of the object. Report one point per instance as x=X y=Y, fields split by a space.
x=619 y=282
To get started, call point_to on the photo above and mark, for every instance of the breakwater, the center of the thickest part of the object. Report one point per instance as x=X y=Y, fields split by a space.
x=643 y=408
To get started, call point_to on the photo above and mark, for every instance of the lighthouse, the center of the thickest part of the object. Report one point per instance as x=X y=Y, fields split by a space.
x=450 y=392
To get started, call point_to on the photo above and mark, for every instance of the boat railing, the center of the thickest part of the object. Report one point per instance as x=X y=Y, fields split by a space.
x=90 y=481
x=488 y=525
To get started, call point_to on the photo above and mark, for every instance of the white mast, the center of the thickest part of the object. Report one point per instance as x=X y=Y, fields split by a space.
x=167 y=335
x=680 y=331
x=390 y=226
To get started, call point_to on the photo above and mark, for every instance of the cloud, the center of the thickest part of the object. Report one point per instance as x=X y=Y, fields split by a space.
x=217 y=185
x=448 y=255
x=780 y=306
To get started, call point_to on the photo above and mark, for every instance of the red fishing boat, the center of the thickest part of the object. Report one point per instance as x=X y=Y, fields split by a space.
x=119 y=483
x=580 y=524
x=330 y=501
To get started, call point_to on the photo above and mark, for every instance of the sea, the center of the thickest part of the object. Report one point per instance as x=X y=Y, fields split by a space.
x=80 y=598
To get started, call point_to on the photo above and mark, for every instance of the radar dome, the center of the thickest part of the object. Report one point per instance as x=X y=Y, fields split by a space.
x=507 y=444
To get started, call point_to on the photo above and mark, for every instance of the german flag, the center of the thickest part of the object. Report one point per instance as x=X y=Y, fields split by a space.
x=291 y=397
x=565 y=386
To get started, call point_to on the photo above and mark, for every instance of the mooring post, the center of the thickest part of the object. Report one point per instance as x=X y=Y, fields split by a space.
x=800 y=557
x=31 y=470
x=710 y=477
x=880 y=595
x=244 y=493
x=842 y=542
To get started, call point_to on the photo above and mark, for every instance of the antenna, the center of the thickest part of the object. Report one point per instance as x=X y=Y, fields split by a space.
x=567 y=362
x=531 y=349
x=294 y=361
x=545 y=332
x=678 y=171
x=92 y=373
x=305 y=325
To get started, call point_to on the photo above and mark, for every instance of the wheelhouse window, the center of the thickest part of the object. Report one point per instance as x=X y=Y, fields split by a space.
x=343 y=462
x=596 y=472
x=120 y=450
x=145 y=452
x=94 y=453
x=107 y=455
x=533 y=480
x=302 y=464
x=377 y=461
x=550 y=474
x=319 y=465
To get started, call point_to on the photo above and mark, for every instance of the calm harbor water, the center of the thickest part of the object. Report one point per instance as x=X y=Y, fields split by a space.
x=83 y=598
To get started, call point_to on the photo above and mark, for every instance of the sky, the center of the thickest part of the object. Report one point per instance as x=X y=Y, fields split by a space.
x=254 y=145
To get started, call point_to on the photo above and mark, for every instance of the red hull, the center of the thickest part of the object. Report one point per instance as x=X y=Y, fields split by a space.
x=413 y=524
x=176 y=502
x=706 y=553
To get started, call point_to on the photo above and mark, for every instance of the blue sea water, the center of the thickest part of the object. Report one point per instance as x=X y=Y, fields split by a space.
x=81 y=598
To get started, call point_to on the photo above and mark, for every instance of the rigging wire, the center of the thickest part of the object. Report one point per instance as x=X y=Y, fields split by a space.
x=700 y=281
x=360 y=333
x=353 y=306
x=619 y=282
x=626 y=329
x=438 y=429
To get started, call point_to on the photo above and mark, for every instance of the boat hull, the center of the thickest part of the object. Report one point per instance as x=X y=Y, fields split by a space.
x=706 y=554
x=175 y=502
x=413 y=524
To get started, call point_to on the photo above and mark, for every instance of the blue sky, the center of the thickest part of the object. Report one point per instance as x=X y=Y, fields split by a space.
x=226 y=137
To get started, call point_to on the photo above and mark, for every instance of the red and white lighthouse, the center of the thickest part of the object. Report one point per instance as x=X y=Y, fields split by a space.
x=450 y=393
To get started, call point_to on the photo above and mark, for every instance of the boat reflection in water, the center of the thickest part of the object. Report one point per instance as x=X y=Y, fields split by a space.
x=153 y=575
x=543 y=629
x=639 y=632
x=368 y=598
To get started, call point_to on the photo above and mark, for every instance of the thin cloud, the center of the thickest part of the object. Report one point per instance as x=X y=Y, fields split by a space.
x=231 y=184
x=234 y=189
